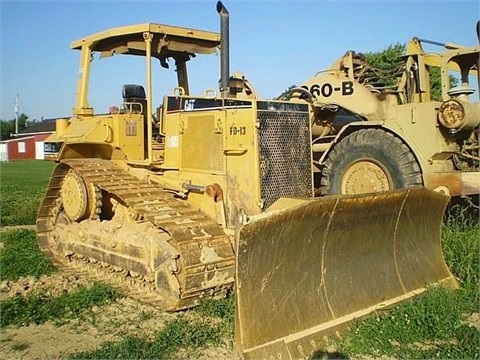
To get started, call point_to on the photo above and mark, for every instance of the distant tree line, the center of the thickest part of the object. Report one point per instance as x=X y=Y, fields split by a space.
x=7 y=127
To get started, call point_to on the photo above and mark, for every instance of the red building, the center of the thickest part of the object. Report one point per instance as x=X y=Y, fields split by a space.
x=28 y=143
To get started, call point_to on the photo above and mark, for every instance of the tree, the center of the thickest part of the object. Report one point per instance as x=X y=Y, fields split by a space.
x=387 y=63
x=7 y=127
x=389 y=59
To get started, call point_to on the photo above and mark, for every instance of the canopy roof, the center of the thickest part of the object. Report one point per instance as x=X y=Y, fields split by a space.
x=167 y=41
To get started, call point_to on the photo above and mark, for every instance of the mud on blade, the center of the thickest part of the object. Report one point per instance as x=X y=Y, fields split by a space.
x=306 y=271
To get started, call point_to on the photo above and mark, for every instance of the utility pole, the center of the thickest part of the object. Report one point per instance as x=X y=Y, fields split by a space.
x=17 y=106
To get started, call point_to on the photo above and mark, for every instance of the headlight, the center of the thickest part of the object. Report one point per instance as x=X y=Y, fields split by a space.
x=458 y=115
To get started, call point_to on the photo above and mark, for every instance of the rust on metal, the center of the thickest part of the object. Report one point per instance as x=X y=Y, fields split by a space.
x=458 y=183
x=215 y=192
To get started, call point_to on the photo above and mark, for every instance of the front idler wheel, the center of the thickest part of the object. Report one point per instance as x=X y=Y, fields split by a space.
x=74 y=196
x=80 y=201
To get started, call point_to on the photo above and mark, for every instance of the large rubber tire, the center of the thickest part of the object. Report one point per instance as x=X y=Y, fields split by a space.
x=369 y=160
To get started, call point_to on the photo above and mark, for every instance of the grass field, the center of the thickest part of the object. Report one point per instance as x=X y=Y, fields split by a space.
x=22 y=186
x=440 y=324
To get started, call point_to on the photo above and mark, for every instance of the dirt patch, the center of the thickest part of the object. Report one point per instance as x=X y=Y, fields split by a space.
x=218 y=353
x=429 y=345
x=124 y=317
x=17 y=227
x=46 y=341
x=52 y=340
x=52 y=285
x=472 y=320
x=97 y=325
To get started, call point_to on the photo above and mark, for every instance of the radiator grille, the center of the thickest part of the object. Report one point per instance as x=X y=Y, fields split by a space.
x=285 y=156
x=202 y=145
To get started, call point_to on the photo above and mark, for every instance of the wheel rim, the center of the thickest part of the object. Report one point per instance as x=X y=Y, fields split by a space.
x=74 y=196
x=365 y=176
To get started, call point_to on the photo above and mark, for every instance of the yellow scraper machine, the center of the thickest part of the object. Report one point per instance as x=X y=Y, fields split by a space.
x=216 y=193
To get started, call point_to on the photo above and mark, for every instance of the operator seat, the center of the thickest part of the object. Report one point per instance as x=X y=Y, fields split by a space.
x=135 y=102
x=134 y=99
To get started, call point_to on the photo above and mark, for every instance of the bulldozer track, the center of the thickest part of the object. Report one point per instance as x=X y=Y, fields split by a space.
x=190 y=230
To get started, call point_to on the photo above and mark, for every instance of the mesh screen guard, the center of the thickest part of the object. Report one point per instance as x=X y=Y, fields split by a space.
x=285 y=154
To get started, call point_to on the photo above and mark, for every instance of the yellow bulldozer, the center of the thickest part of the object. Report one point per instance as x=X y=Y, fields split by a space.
x=202 y=195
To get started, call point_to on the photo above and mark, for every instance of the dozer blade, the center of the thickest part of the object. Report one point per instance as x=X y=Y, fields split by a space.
x=308 y=270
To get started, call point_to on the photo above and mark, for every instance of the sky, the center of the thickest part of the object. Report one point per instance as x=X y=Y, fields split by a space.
x=275 y=43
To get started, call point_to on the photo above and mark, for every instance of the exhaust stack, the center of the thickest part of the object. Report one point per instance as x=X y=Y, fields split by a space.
x=224 y=49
